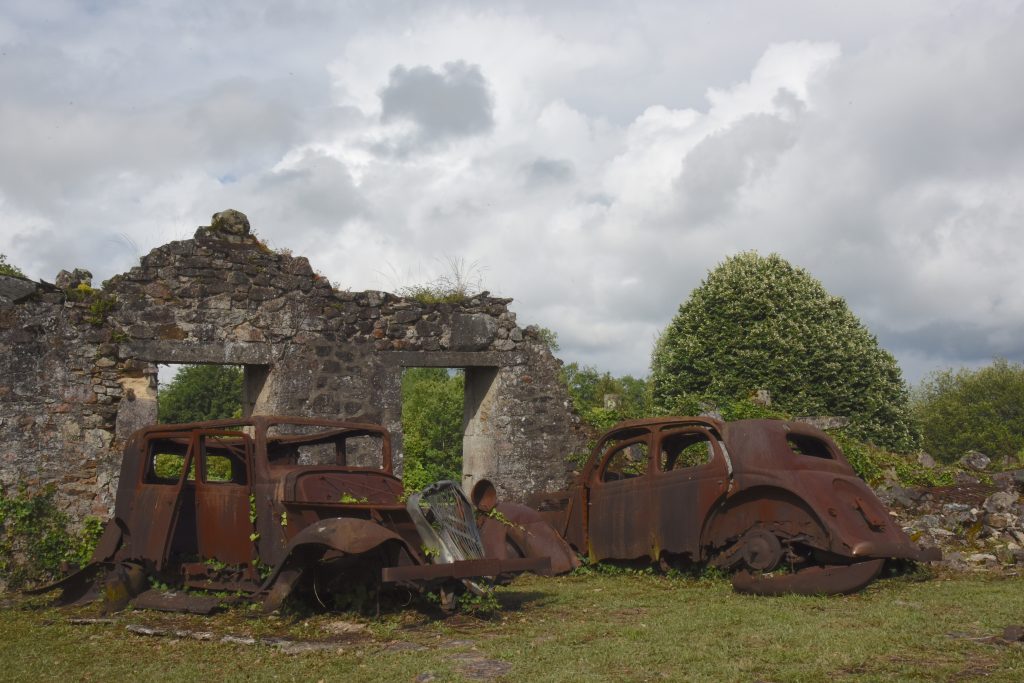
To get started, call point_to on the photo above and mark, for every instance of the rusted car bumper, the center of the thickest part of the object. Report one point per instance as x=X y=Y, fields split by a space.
x=905 y=551
x=464 y=569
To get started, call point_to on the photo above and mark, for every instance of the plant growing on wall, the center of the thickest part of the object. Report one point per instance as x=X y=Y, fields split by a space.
x=9 y=269
x=35 y=538
x=461 y=283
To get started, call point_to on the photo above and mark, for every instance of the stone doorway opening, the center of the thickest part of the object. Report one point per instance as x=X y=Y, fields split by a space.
x=433 y=401
x=446 y=425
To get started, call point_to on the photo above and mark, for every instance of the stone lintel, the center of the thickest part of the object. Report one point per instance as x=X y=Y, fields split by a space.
x=450 y=359
x=229 y=353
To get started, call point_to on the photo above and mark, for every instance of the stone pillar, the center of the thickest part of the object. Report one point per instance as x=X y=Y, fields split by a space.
x=480 y=431
x=138 y=406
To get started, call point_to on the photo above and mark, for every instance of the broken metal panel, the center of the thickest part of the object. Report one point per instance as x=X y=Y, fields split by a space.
x=464 y=569
x=331 y=485
x=173 y=601
x=222 y=498
x=818 y=580
x=512 y=530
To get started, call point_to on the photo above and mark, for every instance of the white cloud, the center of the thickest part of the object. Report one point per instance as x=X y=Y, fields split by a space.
x=604 y=155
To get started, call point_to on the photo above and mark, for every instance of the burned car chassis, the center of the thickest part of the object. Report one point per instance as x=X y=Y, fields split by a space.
x=774 y=502
x=267 y=505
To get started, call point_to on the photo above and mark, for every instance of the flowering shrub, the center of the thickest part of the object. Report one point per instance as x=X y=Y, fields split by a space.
x=760 y=323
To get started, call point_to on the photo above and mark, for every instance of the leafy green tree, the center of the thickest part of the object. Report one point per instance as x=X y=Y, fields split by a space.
x=432 y=407
x=201 y=392
x=9 y=269
x=549 y=337
x=972 y=410
x=588 y=387
x=760 y=323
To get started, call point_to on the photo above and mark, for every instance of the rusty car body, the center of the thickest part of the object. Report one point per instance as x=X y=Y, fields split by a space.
x=267 y=504
x=774 y=502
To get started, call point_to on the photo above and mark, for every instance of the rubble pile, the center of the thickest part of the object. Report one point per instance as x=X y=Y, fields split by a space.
x=978 y=522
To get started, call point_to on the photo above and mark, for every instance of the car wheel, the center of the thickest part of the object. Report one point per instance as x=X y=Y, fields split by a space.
x=758 y=555
x=760 y=550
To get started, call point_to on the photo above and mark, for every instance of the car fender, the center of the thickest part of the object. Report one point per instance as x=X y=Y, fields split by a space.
x=776 y=508
x=109 y=543
x=344 y=535
x=516 y=530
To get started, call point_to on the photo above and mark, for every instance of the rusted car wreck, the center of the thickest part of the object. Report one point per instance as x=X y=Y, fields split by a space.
x=774 y=502
x=268 y=505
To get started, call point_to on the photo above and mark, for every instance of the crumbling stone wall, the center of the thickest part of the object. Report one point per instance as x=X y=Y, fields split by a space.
x=78 y=365
x=56 y=416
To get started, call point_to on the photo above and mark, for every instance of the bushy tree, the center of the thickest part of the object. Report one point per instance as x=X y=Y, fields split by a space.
x=9 y=269
x=760 y=323
x=201 y=392
x=432 y=407
x=588 y=386
x=972 y=410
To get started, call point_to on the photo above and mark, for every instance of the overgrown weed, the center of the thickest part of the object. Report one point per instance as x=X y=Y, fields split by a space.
x=462 y=281
x=35 y=538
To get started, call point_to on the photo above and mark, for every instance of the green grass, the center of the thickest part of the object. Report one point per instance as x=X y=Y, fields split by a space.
x=594 y=627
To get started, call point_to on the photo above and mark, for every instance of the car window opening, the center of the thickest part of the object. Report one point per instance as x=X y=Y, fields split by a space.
x=683 y=450
x=626 y=462
x=311 y=446
x=808 y=445
x=165 y=462
x=224 y=459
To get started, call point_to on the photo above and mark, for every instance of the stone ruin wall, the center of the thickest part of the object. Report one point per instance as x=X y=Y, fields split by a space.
x=78 y=365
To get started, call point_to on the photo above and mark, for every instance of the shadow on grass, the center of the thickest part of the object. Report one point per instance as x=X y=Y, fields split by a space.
x=517 y=601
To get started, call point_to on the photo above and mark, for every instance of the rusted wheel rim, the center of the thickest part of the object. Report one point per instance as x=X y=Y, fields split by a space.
x=760 y=550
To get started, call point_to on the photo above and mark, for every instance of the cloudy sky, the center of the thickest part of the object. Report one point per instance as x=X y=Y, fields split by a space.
x=592 y=159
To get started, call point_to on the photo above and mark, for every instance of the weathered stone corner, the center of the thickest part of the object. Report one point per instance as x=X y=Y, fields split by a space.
x=75 y=278
x=228 y=223
x=14 y=289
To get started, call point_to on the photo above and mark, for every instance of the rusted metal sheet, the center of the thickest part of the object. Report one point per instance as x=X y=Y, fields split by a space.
x=815 y=580
x=465 y=569
x=212 y=505
x=515 y=530
x=752 y=496
x=170 y=601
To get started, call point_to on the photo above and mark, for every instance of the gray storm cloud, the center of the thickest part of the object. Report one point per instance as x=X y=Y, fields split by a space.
x=541 y=172
x=450 y=103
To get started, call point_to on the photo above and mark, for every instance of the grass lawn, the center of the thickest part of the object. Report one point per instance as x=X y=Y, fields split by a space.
x=593 y=627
